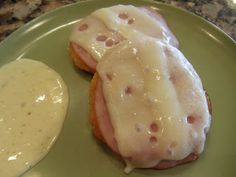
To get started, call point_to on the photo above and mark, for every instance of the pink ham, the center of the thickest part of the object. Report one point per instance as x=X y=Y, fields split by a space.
x=82 y=58
x=103 y=118
x=107 y=130
x=86 y=58
x=79 y=53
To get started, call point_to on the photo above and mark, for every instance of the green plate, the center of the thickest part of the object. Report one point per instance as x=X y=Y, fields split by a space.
x=77 y=153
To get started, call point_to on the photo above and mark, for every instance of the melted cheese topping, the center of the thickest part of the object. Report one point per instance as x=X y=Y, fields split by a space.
x=87 y=38
x=115 y=23
x=33 y=106
x=118 y=17
x=156 y=102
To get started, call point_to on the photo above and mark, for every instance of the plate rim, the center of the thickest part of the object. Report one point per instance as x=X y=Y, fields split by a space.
x=54 y=13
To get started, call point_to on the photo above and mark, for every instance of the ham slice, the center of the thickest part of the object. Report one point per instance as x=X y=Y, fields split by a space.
x=82 y=58
x=125 y=61
x=91 y=37
x=103 y=119
x=104 y=130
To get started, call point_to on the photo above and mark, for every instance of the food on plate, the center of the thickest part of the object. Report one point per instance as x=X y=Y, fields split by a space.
x=105 y=28
x=33 y=107
x=148 y=105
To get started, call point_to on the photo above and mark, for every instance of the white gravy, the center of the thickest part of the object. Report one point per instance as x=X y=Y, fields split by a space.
x=33 y=105
x=113 y=24
x=156 y=102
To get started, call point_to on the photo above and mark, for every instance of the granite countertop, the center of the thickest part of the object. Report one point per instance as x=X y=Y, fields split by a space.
x=14 y=13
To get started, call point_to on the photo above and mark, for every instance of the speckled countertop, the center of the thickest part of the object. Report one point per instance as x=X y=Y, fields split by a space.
x=15 y=13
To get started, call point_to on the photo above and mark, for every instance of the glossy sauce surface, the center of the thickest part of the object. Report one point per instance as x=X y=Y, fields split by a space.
x=156 y=102
x=33 y=105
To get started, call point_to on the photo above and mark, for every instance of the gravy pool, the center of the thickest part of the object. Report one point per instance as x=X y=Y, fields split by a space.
x=33 y=105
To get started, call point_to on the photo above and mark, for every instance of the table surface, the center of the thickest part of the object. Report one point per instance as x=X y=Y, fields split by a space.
x=14 y=14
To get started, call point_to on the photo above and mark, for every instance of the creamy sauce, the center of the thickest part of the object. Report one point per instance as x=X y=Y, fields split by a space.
x=33 y=105
x=156 y=102
x=107 y=27
x=87 y=38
